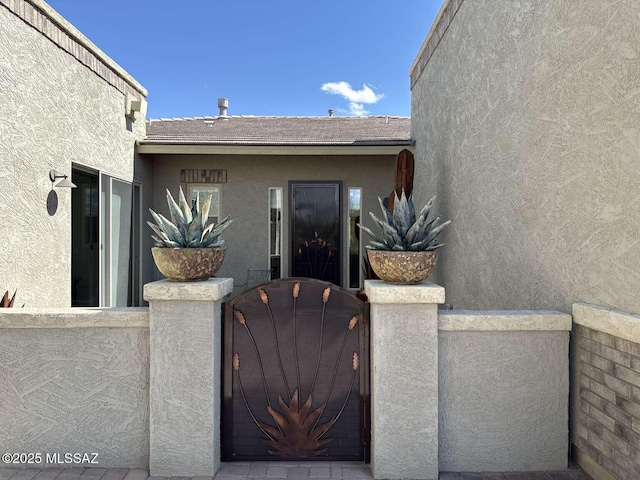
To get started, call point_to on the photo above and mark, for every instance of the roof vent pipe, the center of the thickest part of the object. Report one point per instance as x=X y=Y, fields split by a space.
x=331 y=112
x=223 y=105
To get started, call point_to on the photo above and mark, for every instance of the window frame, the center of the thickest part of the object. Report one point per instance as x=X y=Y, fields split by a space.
x=207 y=188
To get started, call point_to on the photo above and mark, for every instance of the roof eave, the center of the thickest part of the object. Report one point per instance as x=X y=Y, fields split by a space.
x=164 y=148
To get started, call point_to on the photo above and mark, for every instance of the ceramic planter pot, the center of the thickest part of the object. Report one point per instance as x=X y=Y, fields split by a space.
x=188 y=264
x=402 y=267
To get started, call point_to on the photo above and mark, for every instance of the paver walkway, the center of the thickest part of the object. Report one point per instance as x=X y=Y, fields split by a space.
x=271 y=471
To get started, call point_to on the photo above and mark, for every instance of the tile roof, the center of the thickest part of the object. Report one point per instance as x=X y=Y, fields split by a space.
x=250 y=130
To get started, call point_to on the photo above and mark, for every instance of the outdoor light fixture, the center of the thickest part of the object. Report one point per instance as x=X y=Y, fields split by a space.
x=65 y=182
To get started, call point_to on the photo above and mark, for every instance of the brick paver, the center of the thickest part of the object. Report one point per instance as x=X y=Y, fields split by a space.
x=273 y=471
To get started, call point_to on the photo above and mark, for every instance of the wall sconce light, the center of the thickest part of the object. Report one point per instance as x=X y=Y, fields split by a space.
x=65 y=182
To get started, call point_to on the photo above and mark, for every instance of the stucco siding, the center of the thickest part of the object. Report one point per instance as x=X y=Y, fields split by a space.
x=526 y=124
x=503 y=400
x=76 y=381
x=245 y=197
x=54 y=112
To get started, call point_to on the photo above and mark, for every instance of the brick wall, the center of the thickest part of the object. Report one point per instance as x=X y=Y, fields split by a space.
x=606 y=414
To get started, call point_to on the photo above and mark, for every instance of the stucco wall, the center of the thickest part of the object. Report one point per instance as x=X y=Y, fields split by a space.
x=54 y=112
x=245 y=197
x=76 y=380
x=503 y=390
x=526 y=124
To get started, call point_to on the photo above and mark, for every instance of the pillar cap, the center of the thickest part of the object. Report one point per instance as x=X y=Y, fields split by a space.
x=210 y=290
x=425 y=292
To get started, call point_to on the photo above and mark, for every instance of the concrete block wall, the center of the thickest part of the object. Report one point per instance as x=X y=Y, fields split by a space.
x=606 y=392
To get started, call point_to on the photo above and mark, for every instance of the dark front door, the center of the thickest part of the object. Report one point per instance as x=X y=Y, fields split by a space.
x=315 y=211
x=296 y=370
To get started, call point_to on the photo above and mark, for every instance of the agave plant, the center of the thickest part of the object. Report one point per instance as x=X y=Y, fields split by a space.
x=188 y=225
x=7 y=302
x=403 y=230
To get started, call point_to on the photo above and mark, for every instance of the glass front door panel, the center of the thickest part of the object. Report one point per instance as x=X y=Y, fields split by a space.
x=316 y=231
x=354 y=237
x=275 y=231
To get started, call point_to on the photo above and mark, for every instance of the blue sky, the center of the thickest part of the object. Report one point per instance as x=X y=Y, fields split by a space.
x=275 y=57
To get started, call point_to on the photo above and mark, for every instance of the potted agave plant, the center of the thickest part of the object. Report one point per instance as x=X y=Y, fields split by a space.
x=187 y=248
x=404 y=253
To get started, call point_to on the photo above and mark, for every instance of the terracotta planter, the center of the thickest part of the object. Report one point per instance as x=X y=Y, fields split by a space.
x=402 y=267
x=188 y=264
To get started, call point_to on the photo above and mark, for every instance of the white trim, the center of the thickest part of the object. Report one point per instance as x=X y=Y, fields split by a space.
x=268 y=229
x=273 y=149
x=110 y=240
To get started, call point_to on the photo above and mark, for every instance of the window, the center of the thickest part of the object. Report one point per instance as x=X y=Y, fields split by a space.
x=105 y=240
x=355 y=206
x=206 y=189
x=85 y=252
x=120 y=242
x=275 y=231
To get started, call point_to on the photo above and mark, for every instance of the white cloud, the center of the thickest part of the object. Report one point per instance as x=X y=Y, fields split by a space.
x=357 y=109
x=357 y=98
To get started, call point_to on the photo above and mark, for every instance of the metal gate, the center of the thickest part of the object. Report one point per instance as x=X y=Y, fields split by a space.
x=296 y=373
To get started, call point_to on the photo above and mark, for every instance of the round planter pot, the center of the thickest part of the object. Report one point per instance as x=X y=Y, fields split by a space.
x=188 y=264
x=402 y=267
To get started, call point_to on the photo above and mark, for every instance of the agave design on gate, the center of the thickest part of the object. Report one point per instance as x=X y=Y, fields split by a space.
x=296 y=431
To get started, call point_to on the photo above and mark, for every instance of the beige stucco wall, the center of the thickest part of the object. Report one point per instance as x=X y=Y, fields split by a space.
x=245 y=197
x=76 y=380
x=54 y=112
x=503 y=390
x=526 y=124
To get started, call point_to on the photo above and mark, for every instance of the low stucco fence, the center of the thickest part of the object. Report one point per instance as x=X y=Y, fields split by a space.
x=75 y=381
x=451 y=390
x=503 y=390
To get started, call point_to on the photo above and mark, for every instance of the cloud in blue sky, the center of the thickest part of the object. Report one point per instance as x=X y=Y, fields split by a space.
x=357 y=98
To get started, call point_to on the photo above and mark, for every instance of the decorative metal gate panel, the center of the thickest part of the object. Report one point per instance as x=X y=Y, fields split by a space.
x=296 y=373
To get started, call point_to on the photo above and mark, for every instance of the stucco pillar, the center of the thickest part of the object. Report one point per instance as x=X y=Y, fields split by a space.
x=186 y=370
x=404 y=379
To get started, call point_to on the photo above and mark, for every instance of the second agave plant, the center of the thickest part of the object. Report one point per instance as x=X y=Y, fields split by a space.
x=188 y=246
x=404 y=250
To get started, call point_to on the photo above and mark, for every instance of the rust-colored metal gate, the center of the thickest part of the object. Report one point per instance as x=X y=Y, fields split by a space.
x=296 y=373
